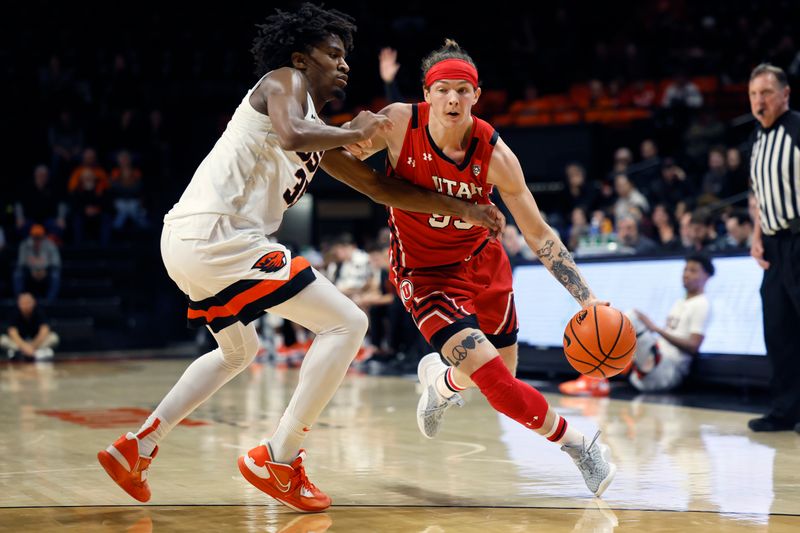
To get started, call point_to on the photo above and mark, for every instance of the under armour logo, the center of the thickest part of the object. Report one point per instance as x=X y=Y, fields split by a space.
x=411 y=162
x=427 y=157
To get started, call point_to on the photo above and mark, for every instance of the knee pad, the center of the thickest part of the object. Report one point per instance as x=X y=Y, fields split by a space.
x=510 y=396
x=238 y=345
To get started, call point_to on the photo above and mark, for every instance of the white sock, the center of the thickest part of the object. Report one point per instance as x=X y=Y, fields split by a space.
x=288 y=438
x=570 y=435
x=339 y=327
x=152 y=435
x=446 y=383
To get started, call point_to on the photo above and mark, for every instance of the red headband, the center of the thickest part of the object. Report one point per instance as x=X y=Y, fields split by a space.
x=452 y=69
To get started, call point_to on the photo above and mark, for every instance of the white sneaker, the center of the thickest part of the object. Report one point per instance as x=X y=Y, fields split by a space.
x=432 y=405
x=43 y=354
x=592 y=461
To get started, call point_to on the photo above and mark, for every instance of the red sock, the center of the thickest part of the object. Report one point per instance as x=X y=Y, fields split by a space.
x=510 y=396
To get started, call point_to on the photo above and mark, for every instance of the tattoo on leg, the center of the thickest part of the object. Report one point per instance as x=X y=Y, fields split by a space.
x=460 y=351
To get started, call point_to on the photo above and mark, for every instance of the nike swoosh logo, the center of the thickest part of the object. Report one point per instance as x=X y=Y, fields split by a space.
x=265 y=472
x=284 y=487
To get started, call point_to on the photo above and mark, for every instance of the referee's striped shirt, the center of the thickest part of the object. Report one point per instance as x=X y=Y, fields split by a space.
x=775 y=172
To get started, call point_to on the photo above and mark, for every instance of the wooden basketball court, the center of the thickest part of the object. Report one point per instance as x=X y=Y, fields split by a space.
x=680 y=469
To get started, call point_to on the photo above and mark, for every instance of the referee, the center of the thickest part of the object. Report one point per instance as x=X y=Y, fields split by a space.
x=775 y=180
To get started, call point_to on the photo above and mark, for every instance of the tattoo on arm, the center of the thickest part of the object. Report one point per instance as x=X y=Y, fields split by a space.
x=461 y=350
x=564 y=269
x=546 y=251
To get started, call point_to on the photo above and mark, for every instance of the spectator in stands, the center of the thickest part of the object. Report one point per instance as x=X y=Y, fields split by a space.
x=672 y=187
x=623 y=157
x=88 y=163
x=41 y=204
x=649 y=168
x=350 y=270
x=126 y=193
x=701 y=233
x=29 y=336
x=628 y=197
x=664 y=225
x=739 y=226
x=90 y=209
x=703 y=133
x=631 y=240
x=579 y=228
x=66 y=142
x=512 y=244
x=376 y=298
x=663 y=363
x=643 y=95
x=38 y=265
x=682 y=93
x=715 y=182
x=577 y=192
x=738 y=175
x=388 y=67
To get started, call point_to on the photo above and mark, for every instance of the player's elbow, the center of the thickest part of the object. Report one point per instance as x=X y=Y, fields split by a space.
x=289 y=140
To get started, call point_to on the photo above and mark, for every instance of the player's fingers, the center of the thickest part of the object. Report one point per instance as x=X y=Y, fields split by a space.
x=354 y=149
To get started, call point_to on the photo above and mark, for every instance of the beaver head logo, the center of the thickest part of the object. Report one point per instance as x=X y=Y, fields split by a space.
x=271 y=262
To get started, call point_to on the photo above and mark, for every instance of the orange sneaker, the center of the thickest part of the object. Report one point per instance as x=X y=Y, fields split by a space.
x=126 y=467
x=286 y=483
x=586 y=386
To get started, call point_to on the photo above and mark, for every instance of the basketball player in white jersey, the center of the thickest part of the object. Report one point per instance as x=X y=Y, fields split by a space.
x=214 y=248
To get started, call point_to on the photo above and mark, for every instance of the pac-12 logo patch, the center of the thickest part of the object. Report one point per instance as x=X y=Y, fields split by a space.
x=271 y=261
x=406 y=290
x=476 y=170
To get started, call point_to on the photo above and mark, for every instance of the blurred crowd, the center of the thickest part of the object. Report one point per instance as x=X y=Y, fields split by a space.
x=651 y=205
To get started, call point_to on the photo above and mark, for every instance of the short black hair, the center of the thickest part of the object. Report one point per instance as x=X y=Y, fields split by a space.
x=703 y=260
x=768 y=68
x=287 y=32
x=742 y=216
x=450 y=50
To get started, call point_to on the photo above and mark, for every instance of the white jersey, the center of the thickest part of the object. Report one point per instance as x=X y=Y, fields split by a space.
x=247 y=175
x=687 y=316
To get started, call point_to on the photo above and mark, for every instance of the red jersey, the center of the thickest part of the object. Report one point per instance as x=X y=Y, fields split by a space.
x=428 y=240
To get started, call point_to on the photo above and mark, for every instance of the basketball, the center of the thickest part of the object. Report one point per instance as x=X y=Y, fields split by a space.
x=599 y=341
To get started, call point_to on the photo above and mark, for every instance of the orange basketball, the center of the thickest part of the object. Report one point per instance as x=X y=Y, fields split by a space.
x=599 y=341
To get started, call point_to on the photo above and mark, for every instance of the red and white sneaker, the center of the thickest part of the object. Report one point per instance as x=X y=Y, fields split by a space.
x=126 y=467
x=586 y=386
x=286 y=483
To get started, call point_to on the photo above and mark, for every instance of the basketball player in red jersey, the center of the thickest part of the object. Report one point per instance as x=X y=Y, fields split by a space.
x=215 y=248
x=453 y=279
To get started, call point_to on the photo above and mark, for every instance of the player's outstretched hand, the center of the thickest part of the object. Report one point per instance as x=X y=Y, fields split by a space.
x=488 y=216
x=370 y=124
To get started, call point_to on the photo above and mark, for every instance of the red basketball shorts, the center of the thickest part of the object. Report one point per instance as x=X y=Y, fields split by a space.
x=476 y=293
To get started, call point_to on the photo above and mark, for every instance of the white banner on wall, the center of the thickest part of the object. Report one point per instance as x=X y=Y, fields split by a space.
x=544 y=307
